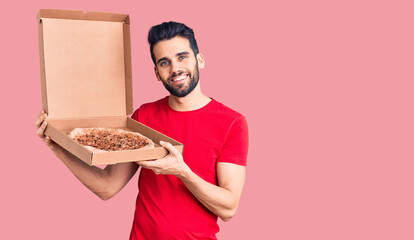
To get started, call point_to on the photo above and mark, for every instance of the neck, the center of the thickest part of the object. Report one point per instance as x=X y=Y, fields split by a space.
x=193 y=101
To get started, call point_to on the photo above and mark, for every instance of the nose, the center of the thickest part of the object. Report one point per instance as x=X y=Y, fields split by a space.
x=175 y=67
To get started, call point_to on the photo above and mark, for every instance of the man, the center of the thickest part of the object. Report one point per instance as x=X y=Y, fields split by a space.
x=180 y=196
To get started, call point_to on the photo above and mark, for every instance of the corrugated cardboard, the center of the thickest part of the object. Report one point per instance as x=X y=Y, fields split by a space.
x=85 y=62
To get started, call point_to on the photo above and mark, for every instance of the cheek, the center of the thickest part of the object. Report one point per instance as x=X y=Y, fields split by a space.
x=191 y=67
x=163 y=75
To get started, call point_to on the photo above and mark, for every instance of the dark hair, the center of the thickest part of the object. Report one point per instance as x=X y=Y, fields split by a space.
x=169 y=30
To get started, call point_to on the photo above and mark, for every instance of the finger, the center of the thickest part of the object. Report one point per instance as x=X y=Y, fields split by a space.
x=41 y=112
x=49 y=142
x=41 y=130
x=170 y=148
x=148 y=163
x=40 y=119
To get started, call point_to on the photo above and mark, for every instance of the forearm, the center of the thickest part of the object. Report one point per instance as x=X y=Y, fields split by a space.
x=94 y=178
x=221 y=201
x=103 y=182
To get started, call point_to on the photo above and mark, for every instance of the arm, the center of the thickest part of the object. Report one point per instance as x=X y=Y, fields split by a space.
x=105 y=183
x=222 y=200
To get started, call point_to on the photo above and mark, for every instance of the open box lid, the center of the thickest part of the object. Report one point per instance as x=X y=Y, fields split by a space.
x=85 y=62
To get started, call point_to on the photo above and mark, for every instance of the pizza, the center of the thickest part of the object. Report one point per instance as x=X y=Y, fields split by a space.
x=110 y=139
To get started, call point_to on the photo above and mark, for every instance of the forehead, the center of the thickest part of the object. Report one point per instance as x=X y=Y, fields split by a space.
x=169 y=48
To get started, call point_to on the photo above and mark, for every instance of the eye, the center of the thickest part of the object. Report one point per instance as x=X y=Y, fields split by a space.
x=182 y=57
x=164 y=63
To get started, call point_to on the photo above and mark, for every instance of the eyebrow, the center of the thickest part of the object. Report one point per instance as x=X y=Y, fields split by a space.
x=178 y=54
x=182 y=53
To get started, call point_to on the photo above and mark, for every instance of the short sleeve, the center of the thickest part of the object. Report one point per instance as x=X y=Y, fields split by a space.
x=236 y=145
x=135 y=115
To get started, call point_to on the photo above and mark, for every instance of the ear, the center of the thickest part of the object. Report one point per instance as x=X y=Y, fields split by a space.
x=156 y=73
x=200 y=60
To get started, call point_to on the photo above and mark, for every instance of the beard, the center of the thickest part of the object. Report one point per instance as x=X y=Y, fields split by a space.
x=181 y=90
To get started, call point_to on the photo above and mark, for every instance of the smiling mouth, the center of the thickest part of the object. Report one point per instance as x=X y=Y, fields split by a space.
x=180 y=78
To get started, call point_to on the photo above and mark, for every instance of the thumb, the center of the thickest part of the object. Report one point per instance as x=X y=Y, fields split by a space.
x=170 y=148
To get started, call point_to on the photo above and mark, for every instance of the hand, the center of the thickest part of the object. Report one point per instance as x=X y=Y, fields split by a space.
x=41 y=125
x=172 y=164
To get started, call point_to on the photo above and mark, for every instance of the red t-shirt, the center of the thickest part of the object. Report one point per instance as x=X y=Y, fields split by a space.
x=165 y=208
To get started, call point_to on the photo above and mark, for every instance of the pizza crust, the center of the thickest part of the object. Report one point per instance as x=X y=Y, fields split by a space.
x=110 y=139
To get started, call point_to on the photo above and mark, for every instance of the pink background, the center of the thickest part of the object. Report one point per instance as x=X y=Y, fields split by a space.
x=327 y=89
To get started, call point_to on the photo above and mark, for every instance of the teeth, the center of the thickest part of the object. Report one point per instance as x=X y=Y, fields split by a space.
x=180 y=78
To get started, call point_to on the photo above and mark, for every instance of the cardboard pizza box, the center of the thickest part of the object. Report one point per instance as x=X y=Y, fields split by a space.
x=86 y=80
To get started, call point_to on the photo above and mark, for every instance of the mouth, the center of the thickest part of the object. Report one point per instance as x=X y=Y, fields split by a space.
x=180 y=78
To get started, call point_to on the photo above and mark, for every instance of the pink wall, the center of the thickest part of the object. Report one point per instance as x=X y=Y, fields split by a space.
x=327 y=89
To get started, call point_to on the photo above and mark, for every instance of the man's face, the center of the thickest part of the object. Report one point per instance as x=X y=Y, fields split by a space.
x=176 y=65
